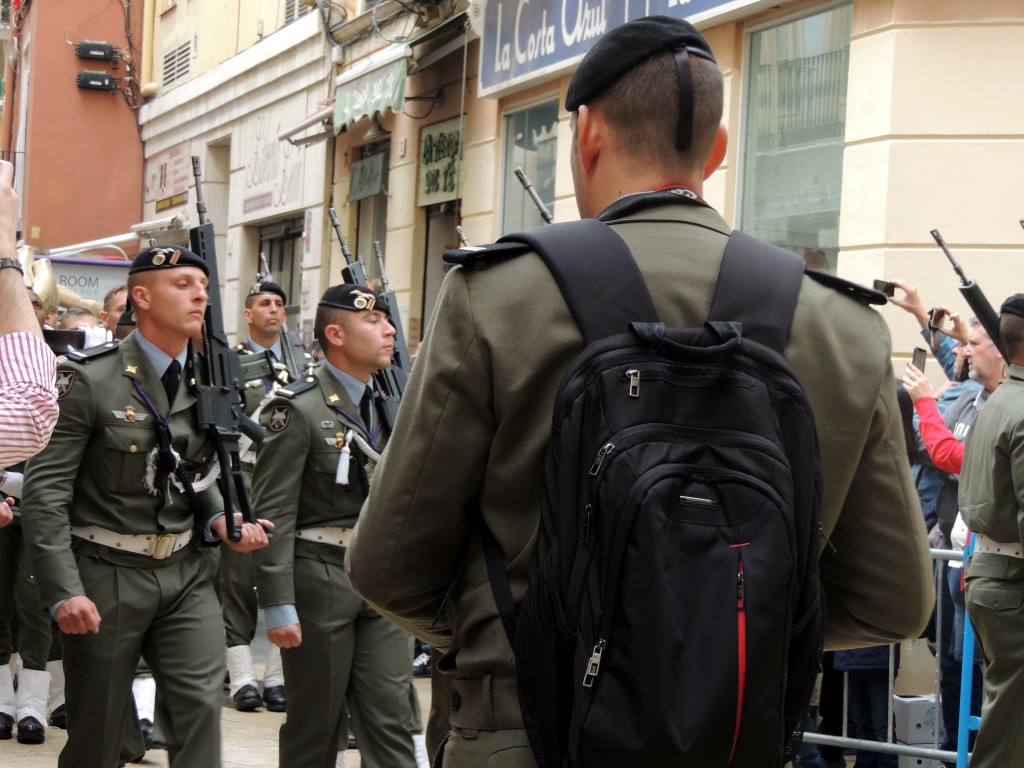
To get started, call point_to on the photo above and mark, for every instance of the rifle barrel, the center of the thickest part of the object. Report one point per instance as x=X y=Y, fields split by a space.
x=528 y=186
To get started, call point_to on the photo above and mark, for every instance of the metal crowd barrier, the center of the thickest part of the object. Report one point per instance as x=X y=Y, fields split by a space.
x=966 y=721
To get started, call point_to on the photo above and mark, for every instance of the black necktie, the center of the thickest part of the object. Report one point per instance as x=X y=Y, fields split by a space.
x=170 y=380
x=366 y=408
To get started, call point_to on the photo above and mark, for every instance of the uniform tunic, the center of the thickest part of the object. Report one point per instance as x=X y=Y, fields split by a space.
x=92 y=474
x=992 y=504
x=348 y=650
x=474 y=426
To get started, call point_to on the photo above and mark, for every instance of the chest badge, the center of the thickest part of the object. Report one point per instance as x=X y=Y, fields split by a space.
x=129 y=414
x=327 y=424
x=279 y=417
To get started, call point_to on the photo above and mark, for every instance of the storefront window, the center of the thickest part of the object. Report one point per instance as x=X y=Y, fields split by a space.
x=281 y=244
x=795 y=125
x=531 y=143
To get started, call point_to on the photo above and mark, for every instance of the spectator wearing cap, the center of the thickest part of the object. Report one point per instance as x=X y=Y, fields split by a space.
x=475 y=422
x=313 y=469
x=122 y=498
x=264 y=314
x=992 y=505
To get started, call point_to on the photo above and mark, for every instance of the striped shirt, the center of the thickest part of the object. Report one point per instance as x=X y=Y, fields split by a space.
x=28 y=398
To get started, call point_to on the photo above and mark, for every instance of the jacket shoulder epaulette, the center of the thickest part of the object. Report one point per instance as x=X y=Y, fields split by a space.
x=85 y=356
x=478 y=257
x=862 y=294
x=297 y=387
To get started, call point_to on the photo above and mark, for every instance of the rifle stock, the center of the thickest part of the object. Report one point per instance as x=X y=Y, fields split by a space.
x=390 y=382
x=975 y=298
x=220 y=408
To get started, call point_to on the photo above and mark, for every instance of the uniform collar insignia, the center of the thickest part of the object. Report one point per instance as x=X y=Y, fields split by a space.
x=333 y=398
x=132 y=369
x=327 y=424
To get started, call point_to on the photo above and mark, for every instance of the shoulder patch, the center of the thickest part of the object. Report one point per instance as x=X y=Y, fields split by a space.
x=280 y=415
x=482 y=256
x=83 y=356
x=65 y=380
x=860 y=293
x=297 y=387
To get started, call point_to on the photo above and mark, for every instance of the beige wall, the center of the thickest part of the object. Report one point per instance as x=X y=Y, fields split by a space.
x=933 y=141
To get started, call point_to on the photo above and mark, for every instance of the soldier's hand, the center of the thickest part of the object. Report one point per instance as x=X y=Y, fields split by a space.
x=288 y=636
x=6 y=514
x=253 y=536
x=77 y=616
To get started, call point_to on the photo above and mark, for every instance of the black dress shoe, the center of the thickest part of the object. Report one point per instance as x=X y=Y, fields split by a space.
x=31 y=731
x=59 y=717
x=6 y=726
x=275 y=699
x=247 y=699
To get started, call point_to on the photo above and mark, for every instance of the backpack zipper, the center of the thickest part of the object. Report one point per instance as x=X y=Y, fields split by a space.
x=594 y=665
x=741 y=647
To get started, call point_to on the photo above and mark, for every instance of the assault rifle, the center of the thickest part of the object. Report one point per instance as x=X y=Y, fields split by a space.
x=528 y=186
x=219 y=405
x=392 y=380
x=296 y=359
x=974 y=297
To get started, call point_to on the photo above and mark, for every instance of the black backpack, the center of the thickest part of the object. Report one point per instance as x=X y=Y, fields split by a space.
x=674 y=614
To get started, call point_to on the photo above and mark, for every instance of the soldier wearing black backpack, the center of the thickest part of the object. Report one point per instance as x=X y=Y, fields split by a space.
x=712 y=420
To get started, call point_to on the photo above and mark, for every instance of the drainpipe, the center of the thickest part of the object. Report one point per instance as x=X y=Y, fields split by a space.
x=147 y=87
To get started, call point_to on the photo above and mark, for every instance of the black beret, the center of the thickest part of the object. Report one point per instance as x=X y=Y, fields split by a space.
x=1013 y=305
x=352 y=297
x=268 y=287
x=625 y=46
x=128 y=316
x=166 y=257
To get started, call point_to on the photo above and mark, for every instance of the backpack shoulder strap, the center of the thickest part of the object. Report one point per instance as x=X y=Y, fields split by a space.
x=596 y=273
x=758 y=286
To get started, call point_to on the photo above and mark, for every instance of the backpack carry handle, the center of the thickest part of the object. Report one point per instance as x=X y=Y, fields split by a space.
x=654 y=336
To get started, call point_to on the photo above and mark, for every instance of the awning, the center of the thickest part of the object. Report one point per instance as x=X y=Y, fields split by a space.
x=372 y=85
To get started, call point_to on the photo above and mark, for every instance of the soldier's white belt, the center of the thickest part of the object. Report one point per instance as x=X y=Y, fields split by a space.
x=983 y=543
x=158 y=546
x=327 y=534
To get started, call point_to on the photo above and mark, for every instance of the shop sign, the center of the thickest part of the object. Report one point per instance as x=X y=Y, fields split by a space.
x=524 y=41
x=272 y=173
x=367 y=177
x=440 y=162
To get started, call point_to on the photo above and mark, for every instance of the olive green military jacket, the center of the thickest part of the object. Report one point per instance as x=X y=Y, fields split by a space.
x=294 y=482
x=93 y=469
x=992 y=478
x=475 y=419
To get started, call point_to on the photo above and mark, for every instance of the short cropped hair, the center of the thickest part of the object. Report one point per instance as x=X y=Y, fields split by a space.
x=328 y=316
x=74 y=312
x=642 y=107
x=1011 y=332
x=108 y=300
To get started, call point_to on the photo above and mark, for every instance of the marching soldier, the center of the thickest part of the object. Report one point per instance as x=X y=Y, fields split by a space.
x=264 y=313
x=312 y=470
x=121 y=498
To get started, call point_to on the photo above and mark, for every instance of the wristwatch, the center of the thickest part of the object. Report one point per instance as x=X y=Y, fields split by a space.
x=11 y=264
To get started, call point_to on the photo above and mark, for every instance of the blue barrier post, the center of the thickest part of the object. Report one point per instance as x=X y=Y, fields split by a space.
x=967 y=722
